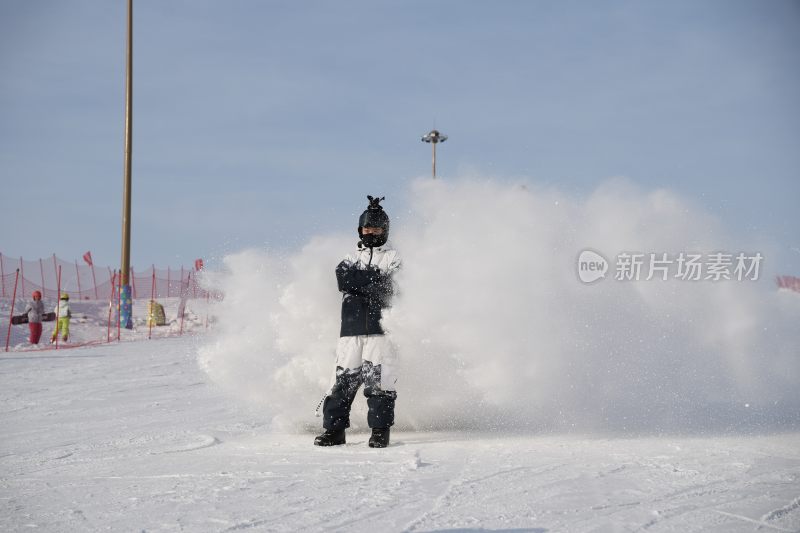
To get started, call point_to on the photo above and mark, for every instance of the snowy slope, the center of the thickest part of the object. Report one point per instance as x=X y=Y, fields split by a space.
x=527 y=401
x=135 y=437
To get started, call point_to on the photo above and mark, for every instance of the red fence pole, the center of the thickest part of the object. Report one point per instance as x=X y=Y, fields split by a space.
x=13 y=298
x=41 y=271
x=185 y=295
x=110 y=305
x=58 y=304
x=22 y=274
x=94 y=280
x=56 y=271
x=151 y=305
x=2 y=276
x=78 y=275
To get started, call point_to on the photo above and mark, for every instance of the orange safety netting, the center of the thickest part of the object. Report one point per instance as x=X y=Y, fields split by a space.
x=84 y=282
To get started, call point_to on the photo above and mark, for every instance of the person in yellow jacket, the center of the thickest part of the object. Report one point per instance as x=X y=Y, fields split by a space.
x=63 y=314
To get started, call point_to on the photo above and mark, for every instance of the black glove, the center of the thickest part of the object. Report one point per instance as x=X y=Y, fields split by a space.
x=367 y=282
x=352 y=280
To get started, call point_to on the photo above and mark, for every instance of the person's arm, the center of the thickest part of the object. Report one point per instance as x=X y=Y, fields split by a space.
x=385 y=287
x=382 y=288
x=367 y=282
x=395 y=263
x=354 y=280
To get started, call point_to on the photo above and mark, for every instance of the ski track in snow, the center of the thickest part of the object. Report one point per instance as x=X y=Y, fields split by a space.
x=136 y=438
x=776 y=514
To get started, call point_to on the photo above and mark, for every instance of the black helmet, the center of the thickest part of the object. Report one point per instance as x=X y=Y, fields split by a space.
x=373 y=217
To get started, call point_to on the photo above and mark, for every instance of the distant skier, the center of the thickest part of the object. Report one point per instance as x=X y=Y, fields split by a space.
x=35 y=311
x=364 y=354
x=63 y=314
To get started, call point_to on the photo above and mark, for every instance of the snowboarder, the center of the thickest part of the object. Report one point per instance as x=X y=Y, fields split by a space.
x=364 y=354
x=63 y=314
x=35 y=310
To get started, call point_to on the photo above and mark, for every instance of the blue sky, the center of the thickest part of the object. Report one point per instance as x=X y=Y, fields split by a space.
x=267 y=122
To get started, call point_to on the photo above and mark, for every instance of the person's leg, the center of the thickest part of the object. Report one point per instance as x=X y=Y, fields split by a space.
x=380 y=357
x=36 y=334
x=66 y=329
x=336 y=407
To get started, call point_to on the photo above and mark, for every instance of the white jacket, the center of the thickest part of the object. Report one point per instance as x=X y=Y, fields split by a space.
x=35 y=310
x=365 y=280
x=384 y=258
x=62 y=309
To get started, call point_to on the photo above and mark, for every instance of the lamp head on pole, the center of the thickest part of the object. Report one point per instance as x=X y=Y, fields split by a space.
x=434 y=137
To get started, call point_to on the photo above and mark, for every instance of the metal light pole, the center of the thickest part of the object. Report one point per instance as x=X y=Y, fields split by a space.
x=126 y=304
x=434 y=137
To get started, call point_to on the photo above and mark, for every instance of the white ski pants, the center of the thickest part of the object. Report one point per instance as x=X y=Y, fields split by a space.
x=369 y=351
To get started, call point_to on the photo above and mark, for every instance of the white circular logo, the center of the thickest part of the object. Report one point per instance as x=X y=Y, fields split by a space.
x=591 y=266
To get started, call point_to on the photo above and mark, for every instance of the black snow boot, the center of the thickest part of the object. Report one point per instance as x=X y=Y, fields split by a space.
x=331 y=437
x=379 y=438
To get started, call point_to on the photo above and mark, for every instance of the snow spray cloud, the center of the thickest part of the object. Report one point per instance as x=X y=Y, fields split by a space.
x=495 y=330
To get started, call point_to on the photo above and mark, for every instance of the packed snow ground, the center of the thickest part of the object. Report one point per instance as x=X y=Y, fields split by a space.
x=135 y=437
